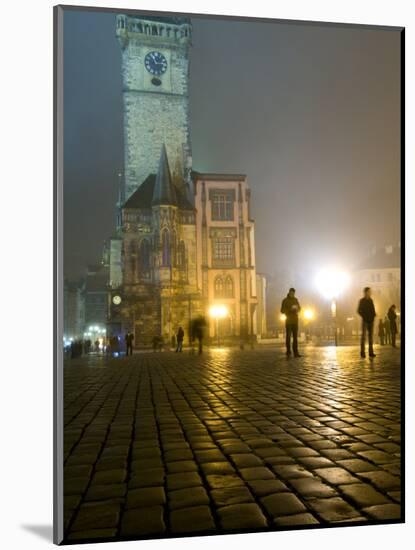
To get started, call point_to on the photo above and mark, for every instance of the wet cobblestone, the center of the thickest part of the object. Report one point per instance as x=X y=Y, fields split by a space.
x=164 y=444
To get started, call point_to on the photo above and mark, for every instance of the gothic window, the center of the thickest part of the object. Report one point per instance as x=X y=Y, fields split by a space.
x=144 y=256
x=228 y=287
x=222 y=206
x=181 y=255
x=218 y=287
x=165 y=246
x=223 y=249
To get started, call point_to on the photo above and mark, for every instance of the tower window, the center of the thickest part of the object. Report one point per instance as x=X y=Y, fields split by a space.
x=165 y=245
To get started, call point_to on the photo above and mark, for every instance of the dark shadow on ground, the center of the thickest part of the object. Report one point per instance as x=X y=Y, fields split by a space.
x=43 y=531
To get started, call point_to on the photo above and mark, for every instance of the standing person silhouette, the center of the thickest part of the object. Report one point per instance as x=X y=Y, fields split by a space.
x=366 y=310
x=381 y=332
x=129 y=337
x=290 y=307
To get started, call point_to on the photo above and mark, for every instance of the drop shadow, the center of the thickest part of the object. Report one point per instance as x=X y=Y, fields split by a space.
x=45 y=532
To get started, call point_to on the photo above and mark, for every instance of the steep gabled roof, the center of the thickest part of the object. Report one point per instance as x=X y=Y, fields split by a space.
x=143 y=195
x=164 y=191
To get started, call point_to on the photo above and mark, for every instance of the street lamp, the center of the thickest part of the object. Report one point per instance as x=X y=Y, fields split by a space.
x=331 y=283
x=217 y=312
x=308 y=314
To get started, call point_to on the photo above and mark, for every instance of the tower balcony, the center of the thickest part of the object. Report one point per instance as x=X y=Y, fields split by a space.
x=168 y=29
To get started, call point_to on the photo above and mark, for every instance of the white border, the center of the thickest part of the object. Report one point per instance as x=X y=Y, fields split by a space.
x=26 y=273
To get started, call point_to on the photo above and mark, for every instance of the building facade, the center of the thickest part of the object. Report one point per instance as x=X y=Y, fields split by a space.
x=96 y=295
x=185 y=240
x=381 y=271
x=159 y=291
x=226 y=251
x=74 y=310
x=261 y=290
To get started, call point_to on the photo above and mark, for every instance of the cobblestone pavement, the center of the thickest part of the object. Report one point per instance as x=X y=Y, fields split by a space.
x=165 y=444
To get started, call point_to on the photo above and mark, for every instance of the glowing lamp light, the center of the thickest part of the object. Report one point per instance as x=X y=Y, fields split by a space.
x=283 y=317
x=331 y=283
x=218 y=311
x=308 y=314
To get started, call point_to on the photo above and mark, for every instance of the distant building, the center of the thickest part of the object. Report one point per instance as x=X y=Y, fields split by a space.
x=226 y=250
x=261 y=290
x=96 y=295
x=74 y=310
x=381 y=270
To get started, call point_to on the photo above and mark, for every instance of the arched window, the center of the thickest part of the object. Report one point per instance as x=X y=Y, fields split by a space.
x=181 y=255
x=174 y=248
x=218 y=286
x=165 y=247
x=144 y=259
x=228 y=287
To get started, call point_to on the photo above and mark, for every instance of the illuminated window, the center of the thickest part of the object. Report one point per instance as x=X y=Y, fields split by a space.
x=223 y=249
x=219 y=287
x=228 y=287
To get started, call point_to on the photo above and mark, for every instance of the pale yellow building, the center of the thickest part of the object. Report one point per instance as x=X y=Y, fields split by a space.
x=226 y=252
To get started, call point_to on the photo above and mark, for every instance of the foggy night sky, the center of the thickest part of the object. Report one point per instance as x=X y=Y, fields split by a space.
x=310 y=114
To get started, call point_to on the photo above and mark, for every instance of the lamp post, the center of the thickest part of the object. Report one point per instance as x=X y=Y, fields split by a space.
x=308 y=315
x=331 y=283
x=217 y=312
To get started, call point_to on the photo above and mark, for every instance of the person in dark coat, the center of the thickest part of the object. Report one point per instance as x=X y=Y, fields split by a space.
x=393 y=326
x=387 y=326
x=179 y=338
x=129 y=338
x=381 y=332
x=290 y=307
x=367 y=312
x=198 y=329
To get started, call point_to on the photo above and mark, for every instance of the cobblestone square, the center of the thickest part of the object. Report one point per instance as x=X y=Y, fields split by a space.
x=167 y=444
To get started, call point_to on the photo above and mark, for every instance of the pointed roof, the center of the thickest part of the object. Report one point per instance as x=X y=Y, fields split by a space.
x=164 y=190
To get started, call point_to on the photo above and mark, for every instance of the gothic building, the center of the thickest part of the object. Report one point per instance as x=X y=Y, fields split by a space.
x=185 y=240
x=159 y=289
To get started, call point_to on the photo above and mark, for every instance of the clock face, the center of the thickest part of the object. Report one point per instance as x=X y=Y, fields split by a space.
x=116 y=300
x=155 y=63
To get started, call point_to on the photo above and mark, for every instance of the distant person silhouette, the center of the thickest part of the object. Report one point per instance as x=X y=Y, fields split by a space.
x=392 y=316
x=129 y=338
x=290 y=307
x=381 y=332
x=198 y=329
x=387 y=326
x=179 y=338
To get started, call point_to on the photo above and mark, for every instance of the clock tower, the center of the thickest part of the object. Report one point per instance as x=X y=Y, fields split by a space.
x=155 y=73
